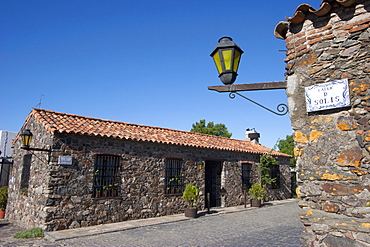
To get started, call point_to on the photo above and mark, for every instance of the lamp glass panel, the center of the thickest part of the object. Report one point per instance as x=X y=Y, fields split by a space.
x=26 y=139
x=236 y=61
x=227 y=55
x=217 y=60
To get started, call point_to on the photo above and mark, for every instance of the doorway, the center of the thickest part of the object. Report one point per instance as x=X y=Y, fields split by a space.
x=213 y=169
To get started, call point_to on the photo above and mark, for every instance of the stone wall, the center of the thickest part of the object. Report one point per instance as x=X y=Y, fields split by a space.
x=28 y=206
x=332 y=147
x=61 y=197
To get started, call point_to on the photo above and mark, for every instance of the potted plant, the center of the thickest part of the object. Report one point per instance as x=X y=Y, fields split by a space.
x=190 y=195
x=3 y=200
x=257 y=192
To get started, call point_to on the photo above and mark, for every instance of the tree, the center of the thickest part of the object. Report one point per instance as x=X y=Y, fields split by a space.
x=211 y=129
x=287 y=146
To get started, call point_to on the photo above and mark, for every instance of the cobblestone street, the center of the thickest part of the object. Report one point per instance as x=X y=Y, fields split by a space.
x=267 y=226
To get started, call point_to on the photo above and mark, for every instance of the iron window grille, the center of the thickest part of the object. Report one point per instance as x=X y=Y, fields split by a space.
x=174 y=177
x=246 y=175
x=106 y=176
x=275 y=173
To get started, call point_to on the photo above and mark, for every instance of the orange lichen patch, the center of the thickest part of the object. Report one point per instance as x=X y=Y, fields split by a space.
x=298 y=151
x=358 y=172
x=367 y=136
x=300 y=137
x=328 y=119
x=341 y=189
x=315 y=134
x=360 y=88
x=309 y=212
x=316 y=120
x=331 y=207
x=346 y=123
x=309 y=60
x=367 y=225
x=297 y=192
x=331 y=177
x=344 y=224
x=344 y=126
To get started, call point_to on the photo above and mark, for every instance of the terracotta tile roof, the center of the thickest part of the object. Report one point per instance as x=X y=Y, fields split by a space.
x=301 y=13
x=68 y=123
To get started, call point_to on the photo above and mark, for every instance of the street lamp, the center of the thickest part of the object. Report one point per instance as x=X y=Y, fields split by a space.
x=26 y=138
x=226 y=56
x=26 y=141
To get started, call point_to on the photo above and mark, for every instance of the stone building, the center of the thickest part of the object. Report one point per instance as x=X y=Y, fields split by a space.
x=102 y=171
x=326 y=46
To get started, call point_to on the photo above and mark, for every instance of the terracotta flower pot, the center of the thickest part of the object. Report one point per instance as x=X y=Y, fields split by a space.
x=2 y=214
x=191 y=212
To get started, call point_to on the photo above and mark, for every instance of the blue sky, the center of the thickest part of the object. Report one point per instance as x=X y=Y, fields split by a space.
x=143 y=62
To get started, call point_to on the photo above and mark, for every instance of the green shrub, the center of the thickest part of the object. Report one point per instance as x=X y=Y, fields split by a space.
x=190 y=194
x=3 y=197
x=257 y=192
x=30 y=233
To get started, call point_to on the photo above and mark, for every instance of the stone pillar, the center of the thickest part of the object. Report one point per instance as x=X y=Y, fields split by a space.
x=332 y=146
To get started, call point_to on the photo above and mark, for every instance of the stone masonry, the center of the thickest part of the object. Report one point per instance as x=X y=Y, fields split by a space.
x=61 y=196
x=332 y=147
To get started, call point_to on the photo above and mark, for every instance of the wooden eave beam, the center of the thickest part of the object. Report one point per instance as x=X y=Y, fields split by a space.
x=250 y=86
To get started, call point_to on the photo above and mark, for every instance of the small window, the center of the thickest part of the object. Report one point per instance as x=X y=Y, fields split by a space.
x=246 y=175
x=275 y=173
x=26 y=170
x=174 y=178
x=106 y=176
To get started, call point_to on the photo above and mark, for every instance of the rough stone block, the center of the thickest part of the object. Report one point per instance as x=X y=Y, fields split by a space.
x=342 y=189
x=350 y=157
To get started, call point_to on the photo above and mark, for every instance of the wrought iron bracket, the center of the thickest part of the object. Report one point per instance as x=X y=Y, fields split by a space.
x=281 y=108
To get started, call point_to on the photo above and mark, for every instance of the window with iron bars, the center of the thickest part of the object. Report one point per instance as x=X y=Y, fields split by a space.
x=174 y=177
x=106 y=176
x=246 y=175
x=275 y=173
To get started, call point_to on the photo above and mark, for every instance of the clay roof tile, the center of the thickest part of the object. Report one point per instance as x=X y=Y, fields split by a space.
x=301 y=12
x=80 y=125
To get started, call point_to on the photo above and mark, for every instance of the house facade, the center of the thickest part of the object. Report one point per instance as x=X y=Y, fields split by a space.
x=101 y=171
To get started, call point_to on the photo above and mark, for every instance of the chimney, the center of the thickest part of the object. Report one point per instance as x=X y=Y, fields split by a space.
x=252 y=135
